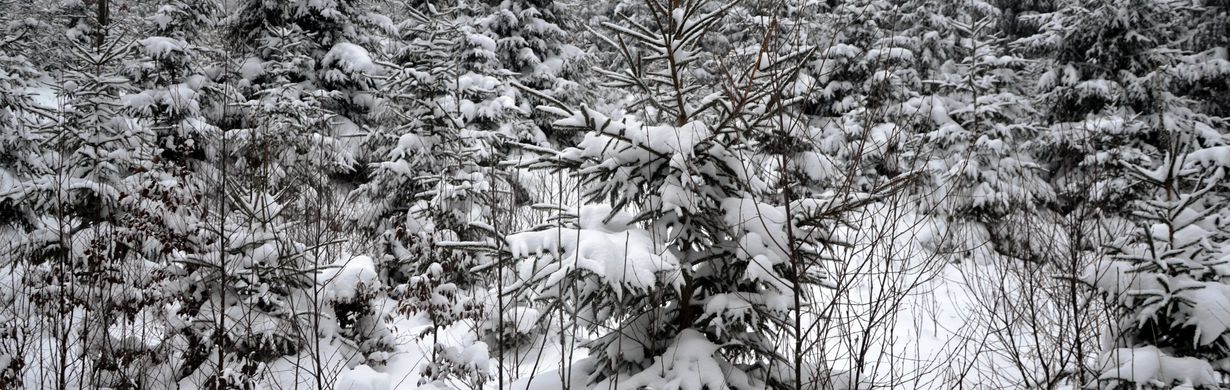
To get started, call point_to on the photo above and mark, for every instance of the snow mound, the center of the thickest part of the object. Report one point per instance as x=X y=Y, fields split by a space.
x=363 y=377
x=691 y=363
x=345 y=279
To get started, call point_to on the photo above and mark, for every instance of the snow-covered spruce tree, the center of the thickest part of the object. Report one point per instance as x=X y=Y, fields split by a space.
x=1014 y=23
x=978 y=149
x=100 y=222
x=430 y=198
x=488 y=115
x=26 y=25
x=60 y=22
x=20 y=148
x=74 y=21
x=418 y=76
x=185 y=20
x=269 y=288
x=483 y=97
x=745 y=25
x=256 y=286
x=168 y=74
x=858 y=85
x=86 y=264
x=168 y=204
x=930 y=32
x=686 y=261
x=1167 y=284
x=838 y=70
x=302 y=73
x=19 y=143
x=1096 y=95
x=270 y=247
x=533 y=41
x=282 y=162
x=1205 y=73
x=101 y=267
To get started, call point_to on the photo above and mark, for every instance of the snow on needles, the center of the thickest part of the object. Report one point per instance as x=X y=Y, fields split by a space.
x=350 y=56
x=619 y=254
x=1152 y=366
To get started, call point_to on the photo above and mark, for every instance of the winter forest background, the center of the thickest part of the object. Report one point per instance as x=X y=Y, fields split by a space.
x=623 y=194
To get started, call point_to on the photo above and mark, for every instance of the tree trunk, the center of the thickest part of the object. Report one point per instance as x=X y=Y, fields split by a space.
x=103 y=17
